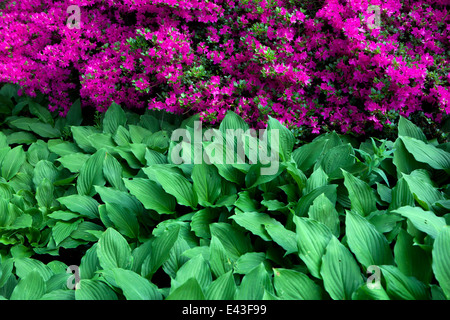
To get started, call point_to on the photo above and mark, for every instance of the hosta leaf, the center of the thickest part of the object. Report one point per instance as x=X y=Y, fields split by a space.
x=369 y=246
x=307 y=200
x=441 y=259
x=24 y=266
x=81 y=204
x=412 y=260
x=113 y=250
x=31 y=287
x=401 y=195
x=124 y=220
x=408 y=129
x=45 y=130
x=151 y=195
x=206 y=183
x=401 y=287
x=233 y=241
x=89 y=263
x=135 y=287
x=81 y=134
x=317 y=179
x=283 y=237
x=306 y=155
x=403 y=160
x=323 y=210
x=124 y=199
x=197 y=268
x=112 y=171
x=12 y=162
x=294 y=285
x=201 y=221
x=425 y=221
x=335 y=159
x=219 y=261
x=114 y=117
x=223 y=288
x=248 y=262
x=361 y=195
x=285 y=136
x=174 y=184
x=91 y=174
x=73 y=162
x=44 y=193
x=190 y=290
x=340 y=272
x=94 y=290
x=176 y=258
x=312 y=240
x=427 y=153
x=63 y=148
x=424 y=193
x=160 y=251
x=59 y=294
x=253 y=284
x=62 y=230
x=366 y=293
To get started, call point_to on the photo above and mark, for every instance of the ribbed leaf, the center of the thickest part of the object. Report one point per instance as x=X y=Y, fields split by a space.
x=190 y=290
x=81 y=204
x=114 y=117
x=223 y=288
x=401 y=287
x=361 y=195
x=174 y=184
x=294 y=285
x=91 y=174
x=113 y=250
x=135 y=287
x=441 y=259
x=323 y=210
x=369 y=246
x=124 y=220
x=112 y=171
x=312 y=240
x=31 y=287
x=94 y=290
x=206 y=184
x=408 y=129
x=427 y=153
x=425 y=221
x=253 y=284
x=12 y=162
x=340 y=272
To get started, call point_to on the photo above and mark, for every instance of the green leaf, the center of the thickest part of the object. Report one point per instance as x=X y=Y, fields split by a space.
x=283 y=237
x=340 y=272
x=160 y=251
x=25 y=266
x=403 y=160
x=59 y=294
x=424 y=193
x=174 y=184
x=124 y=220
x=307 y=200
x=233 y=241
x=12 y=162
x=124 y=199
x=285 y=138
x=427 y=153
x=369 y=246
x=401 y=287
x=293 y=285
x=312 y=240
x=361 y=195
x=247 y=262
x=412 y=260
x=232 y=121
x=89 y=263
x=74 y=115
x=441 y=260
x=323 y=210
x=206 y=183
x=135 y=287
x=220 y=260
x=44 y=193
x=307 y=155
x=113 y=250
x=335 y=159
x=81 y=134
x=62 y=230
x=114 y=117
x=223 y=288
x=31 y=287
x=73 y=162
x=91 y=174
x=94 y=290
x=408 y=129
x=401 y=195
x=81 y=204
x=253 y=284
x=152 y=196
x=45 y=130
x=425 y=221
x=63 y=148
x=201 y=221
x=317 y=179
x=366 y=293
x=197 y=268
x=190 y=290
x=112 y=171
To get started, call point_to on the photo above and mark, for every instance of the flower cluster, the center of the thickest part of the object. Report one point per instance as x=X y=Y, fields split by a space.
x=314 y=69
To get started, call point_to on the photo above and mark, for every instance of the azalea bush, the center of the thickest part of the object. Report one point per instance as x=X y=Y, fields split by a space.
x=107 y=200
x=316 y=66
